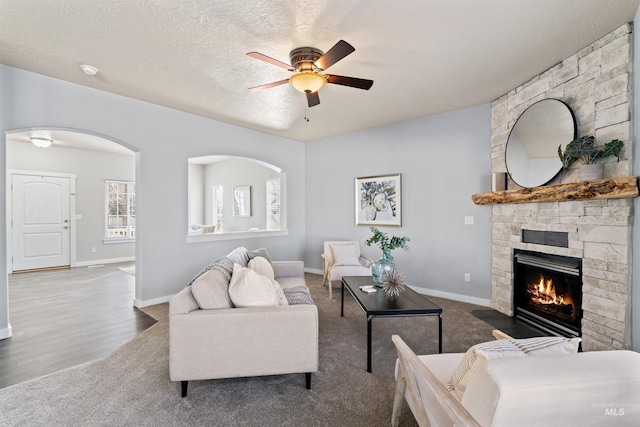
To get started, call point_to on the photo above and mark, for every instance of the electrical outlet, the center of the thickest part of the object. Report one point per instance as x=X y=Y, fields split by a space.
x=468 y=220
x=93 y=250
x=467 y=277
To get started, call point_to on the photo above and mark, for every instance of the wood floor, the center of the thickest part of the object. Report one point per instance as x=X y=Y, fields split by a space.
x=64 y=318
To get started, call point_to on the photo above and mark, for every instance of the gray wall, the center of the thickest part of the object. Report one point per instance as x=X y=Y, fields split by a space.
x=443 y=160
x=164 y=139
x=92 y=169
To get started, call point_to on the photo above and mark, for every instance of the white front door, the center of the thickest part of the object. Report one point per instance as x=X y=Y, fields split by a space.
x=40 y=221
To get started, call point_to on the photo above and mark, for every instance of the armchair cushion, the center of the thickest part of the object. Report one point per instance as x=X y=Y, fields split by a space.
x=345 y=254
x=250 y=289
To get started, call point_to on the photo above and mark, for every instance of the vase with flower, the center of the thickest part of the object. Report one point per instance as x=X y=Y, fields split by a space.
x=385 y=264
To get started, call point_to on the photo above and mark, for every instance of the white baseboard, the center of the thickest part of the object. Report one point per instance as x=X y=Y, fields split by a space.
x=455 y=297
x=6 y=332
x=313 y=270
x=104 y=261
x=148 y=302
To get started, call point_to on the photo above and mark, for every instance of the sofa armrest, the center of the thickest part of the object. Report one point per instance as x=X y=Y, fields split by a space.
x=183 y=302
x=288 y=268
x=239 y=342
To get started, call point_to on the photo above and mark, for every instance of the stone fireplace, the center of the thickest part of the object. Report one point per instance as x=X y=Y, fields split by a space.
x=595 y=83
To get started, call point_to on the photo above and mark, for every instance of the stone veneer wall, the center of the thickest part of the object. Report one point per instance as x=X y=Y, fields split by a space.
x=595 y=83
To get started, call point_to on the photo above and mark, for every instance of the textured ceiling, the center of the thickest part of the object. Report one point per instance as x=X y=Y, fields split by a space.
x=425 y=56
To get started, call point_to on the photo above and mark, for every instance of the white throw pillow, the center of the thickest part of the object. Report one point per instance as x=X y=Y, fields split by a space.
x=261 y=266
x=211 y=290
x=345 y=254
x=477 y=356
x=250 y=289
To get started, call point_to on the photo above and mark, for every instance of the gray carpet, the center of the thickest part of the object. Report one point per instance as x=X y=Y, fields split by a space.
x=131 y=386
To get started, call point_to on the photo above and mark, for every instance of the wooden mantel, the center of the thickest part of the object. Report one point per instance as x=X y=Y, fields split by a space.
x=610 y=188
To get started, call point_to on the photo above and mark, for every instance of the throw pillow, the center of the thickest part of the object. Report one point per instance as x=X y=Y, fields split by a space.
x=262 y=252
x=345 y=254
x=298 y=295
x=261 y=266
x=250 y=289
x=477 y=355
x=211 y=290
x=543 y=346
x=475 y=358
x=224 y=265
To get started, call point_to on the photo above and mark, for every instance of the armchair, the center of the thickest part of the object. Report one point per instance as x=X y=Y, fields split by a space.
x=343 y=258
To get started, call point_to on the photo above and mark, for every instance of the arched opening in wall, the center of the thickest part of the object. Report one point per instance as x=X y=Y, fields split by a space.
x=71 y=238
x=234 y=197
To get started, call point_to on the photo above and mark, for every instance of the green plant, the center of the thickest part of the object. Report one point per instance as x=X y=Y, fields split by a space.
x=386 y=243
x=585 y=150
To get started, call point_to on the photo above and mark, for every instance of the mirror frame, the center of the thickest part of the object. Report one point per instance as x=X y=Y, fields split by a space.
x=553 y=149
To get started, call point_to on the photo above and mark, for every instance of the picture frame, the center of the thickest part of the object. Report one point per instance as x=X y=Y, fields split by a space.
x=378 y=200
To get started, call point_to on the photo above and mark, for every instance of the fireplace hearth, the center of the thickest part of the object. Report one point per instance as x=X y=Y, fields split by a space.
x=548 y=292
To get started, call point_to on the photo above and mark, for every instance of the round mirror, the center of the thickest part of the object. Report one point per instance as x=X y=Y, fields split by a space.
x=532 y=148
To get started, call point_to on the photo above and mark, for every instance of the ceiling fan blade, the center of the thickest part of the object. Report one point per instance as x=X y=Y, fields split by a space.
x=265 y=58
x=268 y=85
x=313 y=99
x=335 y=54
x=350 y=81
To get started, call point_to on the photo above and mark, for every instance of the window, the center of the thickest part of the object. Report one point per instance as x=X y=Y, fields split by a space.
x=120 y=210
x=273 y=204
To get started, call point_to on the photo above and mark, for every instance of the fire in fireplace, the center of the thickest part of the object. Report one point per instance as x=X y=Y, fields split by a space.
x=548 y=291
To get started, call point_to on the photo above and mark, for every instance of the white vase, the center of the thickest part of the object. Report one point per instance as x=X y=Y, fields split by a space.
x=591 y=171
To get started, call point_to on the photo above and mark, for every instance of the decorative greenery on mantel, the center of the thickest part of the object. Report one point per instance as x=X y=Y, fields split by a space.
x=611 y=188
x=584 y=149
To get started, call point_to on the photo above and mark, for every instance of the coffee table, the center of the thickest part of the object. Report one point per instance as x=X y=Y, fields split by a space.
x=378 y=304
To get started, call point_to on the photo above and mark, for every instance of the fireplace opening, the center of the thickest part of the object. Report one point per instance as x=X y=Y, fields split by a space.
x=548 y=292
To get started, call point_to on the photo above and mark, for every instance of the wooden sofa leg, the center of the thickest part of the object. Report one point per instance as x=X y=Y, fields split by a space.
x=308 y=378
x=185 y=384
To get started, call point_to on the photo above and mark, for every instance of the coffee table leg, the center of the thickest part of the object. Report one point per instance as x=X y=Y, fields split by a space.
x=440 y=333
x=369 y=322
x=342 y=302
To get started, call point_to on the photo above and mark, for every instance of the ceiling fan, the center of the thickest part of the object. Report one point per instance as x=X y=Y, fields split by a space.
x=308 y=63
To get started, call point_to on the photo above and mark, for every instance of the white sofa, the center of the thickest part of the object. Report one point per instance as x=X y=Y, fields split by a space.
x=581 y=389
x=243 y=342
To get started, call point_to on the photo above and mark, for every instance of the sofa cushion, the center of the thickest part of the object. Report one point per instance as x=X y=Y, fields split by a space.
x=298 y=295
x=345 y=254
x=475 y=358
x=250 y=289
x=224 y=265
x=211 y=290
x=261 y=266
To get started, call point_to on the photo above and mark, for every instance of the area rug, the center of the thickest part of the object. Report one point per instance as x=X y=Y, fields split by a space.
x=131 y=386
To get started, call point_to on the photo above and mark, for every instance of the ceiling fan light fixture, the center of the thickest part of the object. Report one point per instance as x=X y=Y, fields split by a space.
x=307 y=82
x=41 y=142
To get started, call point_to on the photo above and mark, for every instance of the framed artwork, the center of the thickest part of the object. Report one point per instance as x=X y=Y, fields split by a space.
x=378 y=200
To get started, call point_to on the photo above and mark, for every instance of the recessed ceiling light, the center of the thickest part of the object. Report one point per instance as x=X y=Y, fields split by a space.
x=89 y=70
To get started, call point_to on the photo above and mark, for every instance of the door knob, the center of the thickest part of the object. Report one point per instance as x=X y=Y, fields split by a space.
x=66 y=228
